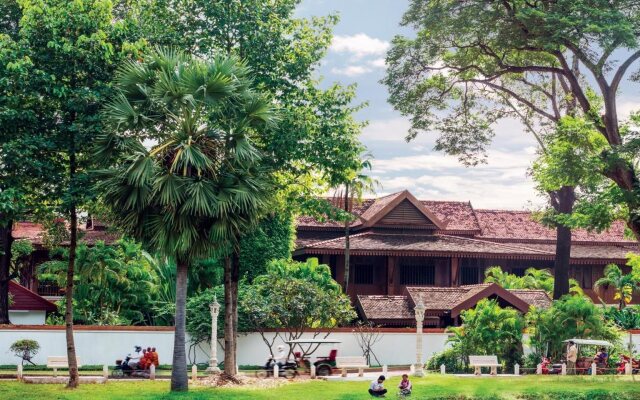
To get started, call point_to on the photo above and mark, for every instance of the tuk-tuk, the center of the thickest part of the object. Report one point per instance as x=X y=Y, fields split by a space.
x=324 y=364
x=583 y=364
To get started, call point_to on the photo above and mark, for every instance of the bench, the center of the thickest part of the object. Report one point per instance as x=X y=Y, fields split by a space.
x=355 y=362
x=484 y=361
x=56 y=362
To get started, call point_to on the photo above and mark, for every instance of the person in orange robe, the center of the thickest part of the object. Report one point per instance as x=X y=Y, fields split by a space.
x=144 y=361
x=154 y=357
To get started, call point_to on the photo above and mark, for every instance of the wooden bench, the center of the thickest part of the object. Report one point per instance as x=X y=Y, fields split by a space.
x=56 y=362
x=355 y=362
x=484 y=361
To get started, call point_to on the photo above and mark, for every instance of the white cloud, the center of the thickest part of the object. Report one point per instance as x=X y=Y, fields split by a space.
x=378 y=63
x=502 y=183
x=359 y=45
x=393 y=129
x=351 y=70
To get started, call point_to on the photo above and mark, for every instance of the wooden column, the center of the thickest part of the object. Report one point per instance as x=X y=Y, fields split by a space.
x=392 y=266
x=455 y=271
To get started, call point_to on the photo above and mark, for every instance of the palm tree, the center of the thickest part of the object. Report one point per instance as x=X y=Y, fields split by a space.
x=350 y=192
x=200 y=186
x=623 y=284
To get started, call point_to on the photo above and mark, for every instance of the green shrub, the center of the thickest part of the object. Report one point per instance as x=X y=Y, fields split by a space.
x=453 y=361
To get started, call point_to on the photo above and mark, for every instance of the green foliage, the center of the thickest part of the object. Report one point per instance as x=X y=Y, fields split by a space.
x=316 y=139
x=26 y=349
x=623 y=284
x=452 y=359
x=272 y=239
x=627 y=318
x=533 y=279
x=489 y=329
x=569 y=317
x=115 y=285
x=297 y=297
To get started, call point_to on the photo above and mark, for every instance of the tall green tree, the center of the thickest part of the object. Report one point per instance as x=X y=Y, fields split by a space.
x=457 y=73
x=69 y=50
x=352 y=184
x=197 y=190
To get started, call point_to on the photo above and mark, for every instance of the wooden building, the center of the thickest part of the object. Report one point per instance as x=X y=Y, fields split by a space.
x=399 y=242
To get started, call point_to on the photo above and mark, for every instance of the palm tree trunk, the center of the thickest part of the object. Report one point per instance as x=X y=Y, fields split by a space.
x=5 y=265
x=74 y=377
x=179 y=379
x=235 y=278
x=563 y=201
x=345 y=284
x=229 y=319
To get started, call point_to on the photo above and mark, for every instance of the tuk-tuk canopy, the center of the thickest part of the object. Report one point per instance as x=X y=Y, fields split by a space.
x=591 y=342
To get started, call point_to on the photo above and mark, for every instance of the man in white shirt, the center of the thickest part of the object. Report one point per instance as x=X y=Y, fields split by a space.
x=134 y=359
x=377 y=389
x=572 y=357
x=282 y=356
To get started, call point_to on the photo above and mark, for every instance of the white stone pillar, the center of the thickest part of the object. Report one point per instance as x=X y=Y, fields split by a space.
x=443 y=369
x=213 y=360
x=516 y=369
x=385 y=370
x=19 y=375
x=105 y=372
x=539 y=369
x=594 y=369
x=312 y=371
x=419 y=312
x=628 y=369
x=152 y=372
x=564 y=369
x=194 y=373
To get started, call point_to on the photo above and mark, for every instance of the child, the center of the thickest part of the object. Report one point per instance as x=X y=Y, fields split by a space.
x=405 y=385
x=377 y=388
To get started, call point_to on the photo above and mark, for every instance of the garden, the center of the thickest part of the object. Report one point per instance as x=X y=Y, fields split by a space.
x=170 y=170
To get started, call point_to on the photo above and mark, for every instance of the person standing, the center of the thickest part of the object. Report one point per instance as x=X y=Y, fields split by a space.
x=572 y=357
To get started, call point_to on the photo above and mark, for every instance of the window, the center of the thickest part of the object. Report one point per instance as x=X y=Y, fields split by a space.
x=469 y=276
x=363 y=274
x=417 y=273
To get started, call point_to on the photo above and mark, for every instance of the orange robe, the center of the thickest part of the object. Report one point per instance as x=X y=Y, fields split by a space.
x=154 y=358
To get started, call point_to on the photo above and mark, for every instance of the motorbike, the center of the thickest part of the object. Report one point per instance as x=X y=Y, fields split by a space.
x=635 y=365
x=122 y=367
x=287 y=370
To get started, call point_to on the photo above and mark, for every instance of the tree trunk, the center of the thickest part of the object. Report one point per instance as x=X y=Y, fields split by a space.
x=229 y=319
x=74 y=378
x=179 y=378
x=235 y=278
x=345 y=284
x=5 y=270
x=563 y=202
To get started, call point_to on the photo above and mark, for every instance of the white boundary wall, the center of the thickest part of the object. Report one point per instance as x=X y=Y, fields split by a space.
x=100 y=346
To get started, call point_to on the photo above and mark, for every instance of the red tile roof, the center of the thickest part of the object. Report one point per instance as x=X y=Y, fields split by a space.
x=520 y=225
x=440 y=300
x=34 y=232
x=369 y=242
x=456 y=215
x=25 y=299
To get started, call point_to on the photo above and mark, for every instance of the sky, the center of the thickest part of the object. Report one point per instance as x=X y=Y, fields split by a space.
x=356 y=55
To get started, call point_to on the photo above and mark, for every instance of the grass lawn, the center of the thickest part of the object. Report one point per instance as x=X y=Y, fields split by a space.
x=431 y=387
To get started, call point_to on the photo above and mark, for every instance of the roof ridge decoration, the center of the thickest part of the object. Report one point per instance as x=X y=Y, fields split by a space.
x=370 y=218
x=507 y=246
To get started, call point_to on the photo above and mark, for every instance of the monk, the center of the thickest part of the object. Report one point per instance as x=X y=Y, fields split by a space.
x=145 y=360
x=154 y=357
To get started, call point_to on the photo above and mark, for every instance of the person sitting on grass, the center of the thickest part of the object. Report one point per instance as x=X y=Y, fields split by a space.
x=377 y=389
x=405 y=385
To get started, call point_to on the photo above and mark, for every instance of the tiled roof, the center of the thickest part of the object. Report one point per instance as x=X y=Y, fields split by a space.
x=385 y=307
x=378 y=205
x=26 y=300
x=386 y=242
x=34 y=233
x=538 y=298
x=519 y=225
x=589 y=251
x=442 y=299
x=456 y=215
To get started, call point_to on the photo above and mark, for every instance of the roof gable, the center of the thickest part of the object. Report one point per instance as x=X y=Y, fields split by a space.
x=26 y=300
x=400 y=208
